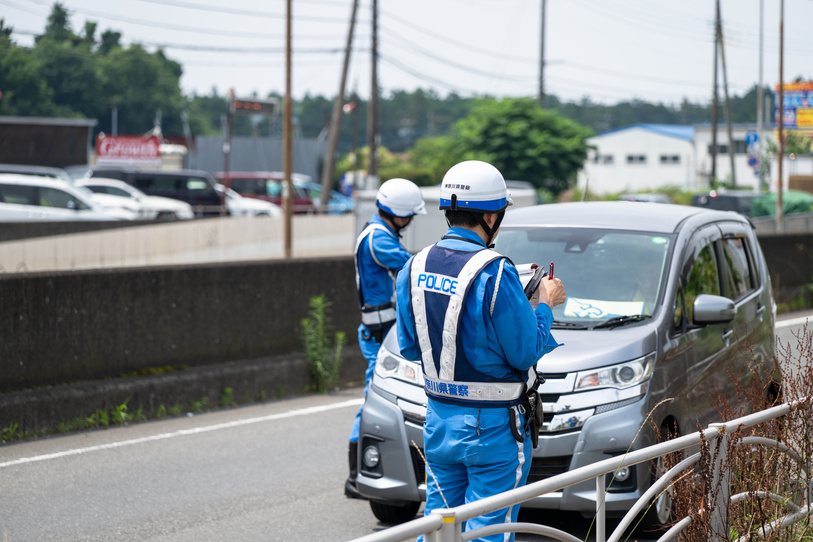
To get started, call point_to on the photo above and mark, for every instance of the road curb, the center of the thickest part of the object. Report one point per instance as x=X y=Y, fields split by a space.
x=201 y=388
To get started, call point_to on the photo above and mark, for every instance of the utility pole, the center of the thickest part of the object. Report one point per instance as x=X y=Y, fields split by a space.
x=227 y=152
x=287 y=147
x=781 y=119
x=713 y=174
x=542 y=59
x=336 y=119
x=372 y=116
x=731 y=146
x=760 y=113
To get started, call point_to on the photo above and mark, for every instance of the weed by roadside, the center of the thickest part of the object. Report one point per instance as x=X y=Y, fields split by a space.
x=324 y=356
x=770 y=480
x=117 y=415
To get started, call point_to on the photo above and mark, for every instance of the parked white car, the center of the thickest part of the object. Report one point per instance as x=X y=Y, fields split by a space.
x=31 y=198
x=242 y=206
x=114 y=191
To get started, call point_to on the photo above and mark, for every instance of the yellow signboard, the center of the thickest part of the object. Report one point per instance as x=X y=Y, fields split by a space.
x=804 y=118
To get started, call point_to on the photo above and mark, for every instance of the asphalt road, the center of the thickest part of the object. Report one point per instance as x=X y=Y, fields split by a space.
x=273 y=471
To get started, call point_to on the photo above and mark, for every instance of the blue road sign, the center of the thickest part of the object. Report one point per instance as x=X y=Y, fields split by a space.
x=751 y=137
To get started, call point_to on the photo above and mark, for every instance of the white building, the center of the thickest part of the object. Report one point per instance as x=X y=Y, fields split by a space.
x=647 y=157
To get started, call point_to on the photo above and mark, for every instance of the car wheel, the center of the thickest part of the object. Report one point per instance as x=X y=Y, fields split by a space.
x=166 y=216
x=659 y=515
x=394 y=514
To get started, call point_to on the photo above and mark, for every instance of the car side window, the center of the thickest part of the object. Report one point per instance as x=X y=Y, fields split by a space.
x=273 y=188
x=703 y=279
x=144 y=183
x=678 y=313
x=52 y=197
x=166 y=183
x=738 y=279
x=20 y=194
x=113 y=191
x=197 y=184
x=248 y=186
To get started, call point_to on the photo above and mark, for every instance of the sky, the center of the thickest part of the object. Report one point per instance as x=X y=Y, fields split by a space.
x=605 y=50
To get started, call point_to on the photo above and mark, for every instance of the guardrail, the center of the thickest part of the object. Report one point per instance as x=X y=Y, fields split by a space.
x=791 y=223
x=445 y=525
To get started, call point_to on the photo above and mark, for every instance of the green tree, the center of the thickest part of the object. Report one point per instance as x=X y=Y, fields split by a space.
x=24 y=91
x=432 y=156
x=141 y=85
x=70 y=71
x=523 y=141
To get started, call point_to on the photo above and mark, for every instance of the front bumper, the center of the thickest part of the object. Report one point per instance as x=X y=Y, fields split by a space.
x=394 y=426
x=399 y=476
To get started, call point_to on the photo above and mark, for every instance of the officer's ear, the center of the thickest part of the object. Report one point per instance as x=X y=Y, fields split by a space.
x=490 y=219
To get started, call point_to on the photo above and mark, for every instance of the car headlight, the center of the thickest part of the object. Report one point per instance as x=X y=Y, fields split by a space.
x=389 y=365
x=618 y=376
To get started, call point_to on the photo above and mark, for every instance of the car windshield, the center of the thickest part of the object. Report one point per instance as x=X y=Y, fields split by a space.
x=607 y=274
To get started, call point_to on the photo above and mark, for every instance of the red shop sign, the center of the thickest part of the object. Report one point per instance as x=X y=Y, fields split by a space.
x=128 y=150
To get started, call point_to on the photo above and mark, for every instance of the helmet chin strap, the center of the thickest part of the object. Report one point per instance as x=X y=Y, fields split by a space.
x=391 y=219
x=490 y=231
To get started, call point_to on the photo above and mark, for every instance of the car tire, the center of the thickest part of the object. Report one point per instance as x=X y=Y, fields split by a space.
x=658 y=517
x=167 y=217
x=393 y=513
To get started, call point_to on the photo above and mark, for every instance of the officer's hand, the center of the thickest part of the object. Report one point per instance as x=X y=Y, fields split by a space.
x=553 y=292
x=535 y=298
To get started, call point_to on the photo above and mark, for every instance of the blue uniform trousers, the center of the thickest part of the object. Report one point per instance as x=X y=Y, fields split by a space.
x=473 y=454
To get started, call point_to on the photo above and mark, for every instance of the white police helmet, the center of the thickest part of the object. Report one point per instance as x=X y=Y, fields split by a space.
x=400 y=197
x=474 y=186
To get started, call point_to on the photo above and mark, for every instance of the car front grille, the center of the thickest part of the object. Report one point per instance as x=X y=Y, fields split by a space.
x=418 y=465
x=541 y=467
x=547 y=467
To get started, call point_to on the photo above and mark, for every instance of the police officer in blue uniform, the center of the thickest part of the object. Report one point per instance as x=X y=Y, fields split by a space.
x=462 y=312
x=379 y=257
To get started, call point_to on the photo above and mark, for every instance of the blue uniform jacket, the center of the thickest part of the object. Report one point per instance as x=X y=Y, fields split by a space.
x=375 y=282
x=514 y=338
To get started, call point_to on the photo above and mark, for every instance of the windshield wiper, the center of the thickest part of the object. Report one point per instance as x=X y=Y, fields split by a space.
x=569 y=325
x=621 y=321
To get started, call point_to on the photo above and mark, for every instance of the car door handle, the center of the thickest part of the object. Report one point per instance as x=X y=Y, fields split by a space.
x=761 y=312
x=727 y=337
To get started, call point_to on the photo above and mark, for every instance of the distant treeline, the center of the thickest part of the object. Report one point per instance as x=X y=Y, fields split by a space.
x=69 y=74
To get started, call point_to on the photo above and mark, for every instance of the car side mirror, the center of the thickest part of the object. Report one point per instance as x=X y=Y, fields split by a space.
x=713 y=309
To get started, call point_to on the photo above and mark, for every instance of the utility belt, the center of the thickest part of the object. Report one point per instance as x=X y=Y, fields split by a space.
x=531 y=407
x=378 y=319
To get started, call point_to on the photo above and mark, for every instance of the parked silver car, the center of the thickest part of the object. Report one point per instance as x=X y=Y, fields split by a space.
x=662 y=301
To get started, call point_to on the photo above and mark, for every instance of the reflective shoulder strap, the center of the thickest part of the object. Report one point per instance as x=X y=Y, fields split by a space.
x=496 y=288
x=448 y=354
x=367 y=231
x=419 y=312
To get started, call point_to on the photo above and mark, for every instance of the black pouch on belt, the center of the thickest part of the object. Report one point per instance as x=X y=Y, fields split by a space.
x=535 y=416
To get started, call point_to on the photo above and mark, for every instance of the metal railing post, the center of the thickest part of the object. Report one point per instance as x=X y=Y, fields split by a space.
x=600 y=519
x=450 y=530
x=720 y=491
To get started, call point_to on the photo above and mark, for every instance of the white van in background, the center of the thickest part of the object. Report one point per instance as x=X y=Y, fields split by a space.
x=31 y=198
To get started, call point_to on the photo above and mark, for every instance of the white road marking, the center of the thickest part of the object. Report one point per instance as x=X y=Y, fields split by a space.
x=800 y=321
x=184 y=432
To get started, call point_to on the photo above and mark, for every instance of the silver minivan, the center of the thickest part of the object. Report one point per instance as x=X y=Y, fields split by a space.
x=663 y=301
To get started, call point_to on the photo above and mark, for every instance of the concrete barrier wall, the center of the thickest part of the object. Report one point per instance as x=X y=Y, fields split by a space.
x=790 y=264
x=60 y=327
x=211 y=240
